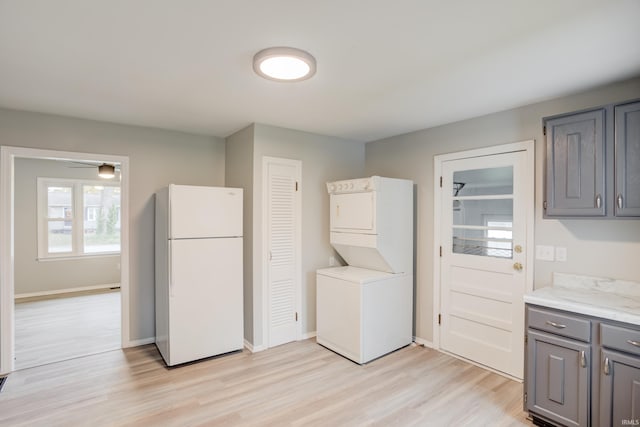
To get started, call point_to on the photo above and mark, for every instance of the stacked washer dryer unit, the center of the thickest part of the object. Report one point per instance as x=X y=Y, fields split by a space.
x=365 y=309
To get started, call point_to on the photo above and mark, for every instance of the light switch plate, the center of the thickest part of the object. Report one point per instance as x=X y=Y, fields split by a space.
x=561 y=254
x=544 y=253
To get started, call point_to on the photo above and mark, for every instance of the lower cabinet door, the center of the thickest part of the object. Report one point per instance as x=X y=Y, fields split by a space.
x=558 y=380
x=619 y=389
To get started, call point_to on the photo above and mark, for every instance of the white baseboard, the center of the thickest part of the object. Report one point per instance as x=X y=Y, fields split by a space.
x=137 y=343
x=67 y=291
x=423 y=342
x=308 y=335
x=252 y=348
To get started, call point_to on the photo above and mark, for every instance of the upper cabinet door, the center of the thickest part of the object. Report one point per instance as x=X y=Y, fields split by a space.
x=576 y=164
x=627 y=136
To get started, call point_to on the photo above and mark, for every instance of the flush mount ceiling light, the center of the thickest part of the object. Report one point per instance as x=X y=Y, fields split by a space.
x=284 y=64
x=106 y=171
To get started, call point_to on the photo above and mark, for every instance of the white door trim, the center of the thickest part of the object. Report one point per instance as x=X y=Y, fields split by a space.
x=529 y=148
x=7 y=157
x=266 y=160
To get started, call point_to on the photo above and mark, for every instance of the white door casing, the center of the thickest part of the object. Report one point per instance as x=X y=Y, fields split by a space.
x=282 y=242
x=482 y=278
x=7 y=156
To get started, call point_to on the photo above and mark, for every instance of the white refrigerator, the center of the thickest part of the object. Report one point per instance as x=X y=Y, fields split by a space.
x=199 y=307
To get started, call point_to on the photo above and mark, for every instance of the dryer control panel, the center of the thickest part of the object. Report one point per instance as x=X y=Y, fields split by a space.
x=353 y=185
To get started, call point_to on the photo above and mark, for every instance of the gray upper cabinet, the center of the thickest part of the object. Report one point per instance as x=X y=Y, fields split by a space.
x=576 y=164
x=627 y=153
x=593 y=163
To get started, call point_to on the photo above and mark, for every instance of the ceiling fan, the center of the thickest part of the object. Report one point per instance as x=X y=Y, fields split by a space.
x=105 y=170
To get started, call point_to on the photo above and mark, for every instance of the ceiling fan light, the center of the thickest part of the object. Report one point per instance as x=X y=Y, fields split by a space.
x=106 y=171
x=284 y=64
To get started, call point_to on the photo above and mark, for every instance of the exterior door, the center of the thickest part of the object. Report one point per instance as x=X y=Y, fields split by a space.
x=483 y=233
x=283 y=249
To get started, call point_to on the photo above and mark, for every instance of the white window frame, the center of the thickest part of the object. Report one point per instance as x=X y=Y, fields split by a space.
x=77 y=222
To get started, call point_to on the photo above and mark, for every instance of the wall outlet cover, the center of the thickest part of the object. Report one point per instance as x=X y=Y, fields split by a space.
x=544 y=253
x=561 y=254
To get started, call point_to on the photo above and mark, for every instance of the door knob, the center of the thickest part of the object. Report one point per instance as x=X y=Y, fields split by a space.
x=517 y=266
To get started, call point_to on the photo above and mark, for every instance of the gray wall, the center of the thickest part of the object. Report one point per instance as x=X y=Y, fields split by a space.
x=239 y=173
x=32 y=275
x=594 y=247
x=323 y=159
x=157 y=158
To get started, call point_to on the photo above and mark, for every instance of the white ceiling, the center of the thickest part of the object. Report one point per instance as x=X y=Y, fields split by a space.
x=384 y=67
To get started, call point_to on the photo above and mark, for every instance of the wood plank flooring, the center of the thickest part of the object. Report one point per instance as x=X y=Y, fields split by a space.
x=297 y=384
x=62 y=328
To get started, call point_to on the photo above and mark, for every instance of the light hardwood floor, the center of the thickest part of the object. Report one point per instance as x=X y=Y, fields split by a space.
x=297 y=384
x=65 y=327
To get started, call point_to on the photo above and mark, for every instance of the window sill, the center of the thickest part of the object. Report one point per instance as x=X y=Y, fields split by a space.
x=78 y=257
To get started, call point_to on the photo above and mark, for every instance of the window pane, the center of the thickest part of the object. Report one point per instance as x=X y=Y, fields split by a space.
x=477 y=212
x=483 y=182
x=59 y=237
x=101 y=219
x=60 y=202
x=489 y=242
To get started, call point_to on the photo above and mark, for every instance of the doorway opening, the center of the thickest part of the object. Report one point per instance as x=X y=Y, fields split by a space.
x=63 y=257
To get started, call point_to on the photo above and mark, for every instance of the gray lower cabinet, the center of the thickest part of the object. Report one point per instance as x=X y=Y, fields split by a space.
x=619 y=389
x=619 y=375
x=581 y=370
x=558 y=371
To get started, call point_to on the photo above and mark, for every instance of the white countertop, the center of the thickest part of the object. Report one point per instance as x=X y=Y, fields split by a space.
x=594 y=296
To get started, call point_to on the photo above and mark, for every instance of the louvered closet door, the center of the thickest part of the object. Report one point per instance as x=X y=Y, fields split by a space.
x=283 y=228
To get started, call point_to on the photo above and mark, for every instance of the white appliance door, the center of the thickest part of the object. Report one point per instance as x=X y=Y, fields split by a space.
x=205 y=303
x=197 y=212
x=354 y=212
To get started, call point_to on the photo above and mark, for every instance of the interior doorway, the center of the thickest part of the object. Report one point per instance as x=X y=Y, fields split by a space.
x=485 y=206
x=80 y=224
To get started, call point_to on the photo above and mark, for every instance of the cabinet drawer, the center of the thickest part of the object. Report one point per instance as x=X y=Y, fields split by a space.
x=618 y=338
x=560 y=324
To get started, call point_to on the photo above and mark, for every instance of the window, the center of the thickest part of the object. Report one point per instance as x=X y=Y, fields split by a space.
x=500 y=238
x=64 y=233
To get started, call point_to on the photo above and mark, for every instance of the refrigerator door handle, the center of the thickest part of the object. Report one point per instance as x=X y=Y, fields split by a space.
x=170 y=271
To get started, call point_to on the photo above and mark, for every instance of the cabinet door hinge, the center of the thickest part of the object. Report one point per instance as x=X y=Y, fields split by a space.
x=544 y=204
x=525 y=398
x=440 y=251
x=296 y=185
x=526 y=338
x=439 y=319
x=544 y=130
x=296 y=316
x=440 y=182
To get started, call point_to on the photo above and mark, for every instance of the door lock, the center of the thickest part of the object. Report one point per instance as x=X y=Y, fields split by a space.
x=517 y=266
x=517 y=249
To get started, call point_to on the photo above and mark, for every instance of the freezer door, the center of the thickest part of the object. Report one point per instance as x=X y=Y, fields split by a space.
x=197 y=212
x=205 y=303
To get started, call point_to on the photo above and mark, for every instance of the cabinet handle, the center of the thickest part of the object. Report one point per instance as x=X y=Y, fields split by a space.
x=583 y=359
x=636 y=343
x=605 y=365
x=598 y=200
x=619 y=200
x=556 y=325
